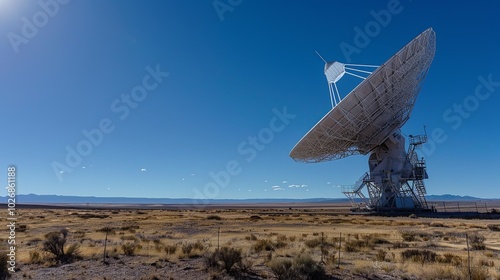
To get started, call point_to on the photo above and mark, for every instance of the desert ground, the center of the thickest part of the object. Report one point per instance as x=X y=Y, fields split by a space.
x=249 y=242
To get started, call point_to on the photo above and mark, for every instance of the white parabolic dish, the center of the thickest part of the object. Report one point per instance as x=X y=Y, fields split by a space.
x=379 y=105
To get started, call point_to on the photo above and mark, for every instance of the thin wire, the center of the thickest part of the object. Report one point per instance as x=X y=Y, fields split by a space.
x=320 y=56
x=362 y=65
x=331 y=98
x=335 y=84
x=363 y=71
x=356 y=75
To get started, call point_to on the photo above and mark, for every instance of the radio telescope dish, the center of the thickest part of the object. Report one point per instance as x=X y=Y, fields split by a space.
x=368 y=120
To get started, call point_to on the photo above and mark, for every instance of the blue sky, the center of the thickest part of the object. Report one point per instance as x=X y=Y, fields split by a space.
x=205 y=99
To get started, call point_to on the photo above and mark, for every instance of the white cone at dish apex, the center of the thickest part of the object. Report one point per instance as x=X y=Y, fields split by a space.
x=334 y=71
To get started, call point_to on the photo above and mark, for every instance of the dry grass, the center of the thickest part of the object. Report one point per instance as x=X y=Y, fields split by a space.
x=426 y=248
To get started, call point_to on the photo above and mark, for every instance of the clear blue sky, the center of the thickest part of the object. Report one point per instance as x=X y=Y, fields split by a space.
x=176 y=88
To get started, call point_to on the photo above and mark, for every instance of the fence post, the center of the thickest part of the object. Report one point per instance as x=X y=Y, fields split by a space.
x=475 y=203
x=105 y=242
x=322 y=246
x=468 y=255
x=340 y=246
x=444 y=205
x=458 y=204
x=218 y=238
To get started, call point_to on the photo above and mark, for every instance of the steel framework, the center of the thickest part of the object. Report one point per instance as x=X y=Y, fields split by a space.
x=402 y=189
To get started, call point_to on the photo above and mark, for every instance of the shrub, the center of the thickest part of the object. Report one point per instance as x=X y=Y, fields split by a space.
x=92 y=216
x=282 y=269
x=476 y=241
x=35 y=257
x=354 y=245
x=476 y=272
x=4 y=270
x=214 y=217
x=170 y=249
x=305 y=266
x=263 y=244
x=54 y=244
x=79 y=234
x=229 y=257
x=450 y=258
x=210 y=260
x=21 y=228
x=417 y=255
x=130 y=237
x=302 y=267
x=397 y=245
x=33 y=241
x=408 y=236
x=281 y=237
x=493 y=227
x=129 y=248
x=251 y=237
x=130 y=228
x=380 y=255
x=109 y=230
x=189 y=248
x=483 y=262
x=313 y=243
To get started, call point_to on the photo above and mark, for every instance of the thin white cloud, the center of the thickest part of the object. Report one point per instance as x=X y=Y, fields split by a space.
x=285 y=182
x=277 y=188
x=297 y=186
x=143 y=170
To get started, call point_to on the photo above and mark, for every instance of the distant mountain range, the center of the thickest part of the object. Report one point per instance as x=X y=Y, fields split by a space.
x=50 y=199
x=451 y=197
